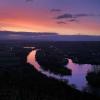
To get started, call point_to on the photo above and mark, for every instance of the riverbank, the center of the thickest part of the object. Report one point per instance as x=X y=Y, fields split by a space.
x=27 y=83
x=81 y=52
x=19 y=80
x=53 y=60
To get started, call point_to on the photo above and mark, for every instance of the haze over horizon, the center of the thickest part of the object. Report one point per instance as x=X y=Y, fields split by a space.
x=66 y=17
x=44 y=36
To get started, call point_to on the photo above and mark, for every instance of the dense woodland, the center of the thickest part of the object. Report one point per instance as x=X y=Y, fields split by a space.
x=20 y=81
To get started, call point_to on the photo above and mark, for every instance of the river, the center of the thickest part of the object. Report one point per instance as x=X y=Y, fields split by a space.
x=78 y=77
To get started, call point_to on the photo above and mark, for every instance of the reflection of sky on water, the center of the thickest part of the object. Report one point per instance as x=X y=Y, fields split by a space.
x=31 y=59
x=78 y=71
x=78 y=74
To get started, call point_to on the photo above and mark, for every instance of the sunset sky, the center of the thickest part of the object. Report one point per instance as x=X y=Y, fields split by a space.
x=61 y=16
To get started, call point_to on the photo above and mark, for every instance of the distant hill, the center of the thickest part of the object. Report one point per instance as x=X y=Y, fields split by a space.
x=26 y=33
x=45 y=36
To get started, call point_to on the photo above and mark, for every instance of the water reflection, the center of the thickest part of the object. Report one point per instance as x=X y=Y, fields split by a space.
x=28 y=47
x=79 y=72
x=32 y=60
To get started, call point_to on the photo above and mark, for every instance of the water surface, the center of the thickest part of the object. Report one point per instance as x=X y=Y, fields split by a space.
x=79 y=72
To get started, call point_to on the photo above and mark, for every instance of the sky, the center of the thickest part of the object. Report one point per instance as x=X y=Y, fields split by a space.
x=66 y=17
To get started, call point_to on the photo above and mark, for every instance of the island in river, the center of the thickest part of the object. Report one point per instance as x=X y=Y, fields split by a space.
x=54 y=60
x=19 y=80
